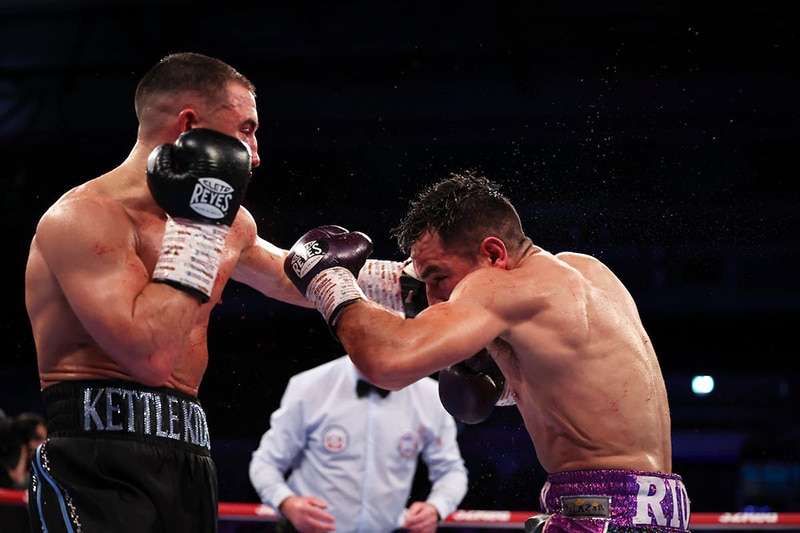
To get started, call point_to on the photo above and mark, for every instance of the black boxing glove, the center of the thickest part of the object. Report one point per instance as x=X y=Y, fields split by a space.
x=395 y=285
x=470 y=390
x=200 y=181
x=323 y=265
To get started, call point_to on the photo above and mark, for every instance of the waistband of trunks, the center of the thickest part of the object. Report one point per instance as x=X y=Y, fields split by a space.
x=629 y=498
x=126 y=410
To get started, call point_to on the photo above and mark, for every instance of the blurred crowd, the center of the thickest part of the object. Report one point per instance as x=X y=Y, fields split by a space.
x=20 y=435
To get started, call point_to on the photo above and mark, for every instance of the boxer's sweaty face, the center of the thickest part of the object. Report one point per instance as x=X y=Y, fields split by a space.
x=440 y=269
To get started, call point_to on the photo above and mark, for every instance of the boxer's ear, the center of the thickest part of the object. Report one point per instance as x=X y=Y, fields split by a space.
x=494 y=251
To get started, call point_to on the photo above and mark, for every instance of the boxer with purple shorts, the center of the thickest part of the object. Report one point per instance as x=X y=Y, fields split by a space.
x=509 y=323
x=612 y=501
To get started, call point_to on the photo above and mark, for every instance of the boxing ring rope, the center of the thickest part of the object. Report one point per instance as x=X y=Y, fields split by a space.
x=476 y=519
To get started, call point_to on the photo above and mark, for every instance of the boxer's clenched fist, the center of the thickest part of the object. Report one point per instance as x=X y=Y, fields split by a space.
x=470 y=390
x=200 y=182
x=324 y=263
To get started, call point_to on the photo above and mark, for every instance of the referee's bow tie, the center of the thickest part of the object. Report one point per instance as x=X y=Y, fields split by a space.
x=363 y=387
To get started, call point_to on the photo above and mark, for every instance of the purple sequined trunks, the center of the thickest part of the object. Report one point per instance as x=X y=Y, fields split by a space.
x=598 y=501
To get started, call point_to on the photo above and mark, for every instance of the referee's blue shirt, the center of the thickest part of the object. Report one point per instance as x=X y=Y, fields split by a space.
x=359 y=455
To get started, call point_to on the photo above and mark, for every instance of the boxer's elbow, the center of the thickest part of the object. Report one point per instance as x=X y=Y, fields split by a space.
x=146 y=350
x=153 y=371
x=155 y=376
x=152 y=367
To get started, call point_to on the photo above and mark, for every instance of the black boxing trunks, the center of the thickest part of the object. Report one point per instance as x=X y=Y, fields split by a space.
x=612 y=501
x=123 y=457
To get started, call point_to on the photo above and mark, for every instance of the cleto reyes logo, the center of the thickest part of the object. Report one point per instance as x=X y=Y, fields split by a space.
x=211 y=198
x=306 y=258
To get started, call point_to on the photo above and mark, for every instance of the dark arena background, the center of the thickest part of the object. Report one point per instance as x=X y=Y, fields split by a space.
x=662 y=137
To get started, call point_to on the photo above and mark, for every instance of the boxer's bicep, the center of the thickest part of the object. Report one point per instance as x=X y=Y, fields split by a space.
x=92 y=252
x=92 y=256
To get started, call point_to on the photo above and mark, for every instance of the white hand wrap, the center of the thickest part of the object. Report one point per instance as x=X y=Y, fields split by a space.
x=380 y=281
x=506 y=397
x=190 y=254
x=332 y=288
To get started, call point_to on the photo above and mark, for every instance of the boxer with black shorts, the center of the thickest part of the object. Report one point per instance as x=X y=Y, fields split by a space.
x=564 y=341
x=122 y=275
x=104 y=436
